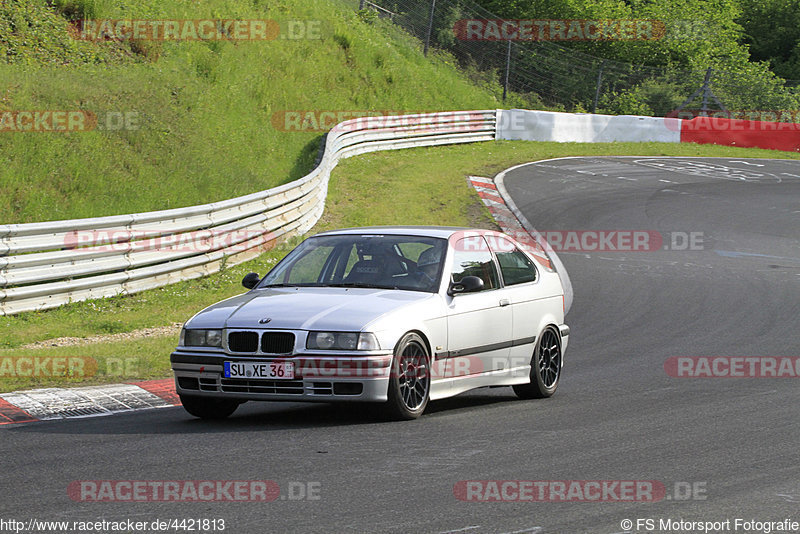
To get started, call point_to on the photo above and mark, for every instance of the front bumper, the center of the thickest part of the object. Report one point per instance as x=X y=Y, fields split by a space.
x=318 y=378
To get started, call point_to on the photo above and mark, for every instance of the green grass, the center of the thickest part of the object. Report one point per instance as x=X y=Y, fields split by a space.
x=120 y=361
x=36 y=34
x=415 y=186
x=202 y=110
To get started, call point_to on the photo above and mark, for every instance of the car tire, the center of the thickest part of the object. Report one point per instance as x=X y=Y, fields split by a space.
x=545 y=367
x=209 y=407
x=409 y=380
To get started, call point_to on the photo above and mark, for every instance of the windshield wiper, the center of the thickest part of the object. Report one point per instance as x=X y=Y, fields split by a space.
x=357 y=284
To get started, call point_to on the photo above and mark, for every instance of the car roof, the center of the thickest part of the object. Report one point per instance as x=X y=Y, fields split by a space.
x=428 y=231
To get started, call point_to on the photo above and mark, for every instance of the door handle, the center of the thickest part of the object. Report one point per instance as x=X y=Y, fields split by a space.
x=505 y=302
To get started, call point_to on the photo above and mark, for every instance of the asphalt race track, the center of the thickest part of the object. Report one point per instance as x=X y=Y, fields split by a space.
x=732 y=291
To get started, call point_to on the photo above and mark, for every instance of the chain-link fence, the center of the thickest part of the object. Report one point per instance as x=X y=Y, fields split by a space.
x=545 y=73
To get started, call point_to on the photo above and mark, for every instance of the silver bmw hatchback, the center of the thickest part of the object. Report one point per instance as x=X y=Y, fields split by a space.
x=395 y=316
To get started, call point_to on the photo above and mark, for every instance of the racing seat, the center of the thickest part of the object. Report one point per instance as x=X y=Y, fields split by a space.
x=366 y=272
x=379 y=270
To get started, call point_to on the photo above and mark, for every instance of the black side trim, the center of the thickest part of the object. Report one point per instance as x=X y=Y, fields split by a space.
x=523 y=341
x=485 y=348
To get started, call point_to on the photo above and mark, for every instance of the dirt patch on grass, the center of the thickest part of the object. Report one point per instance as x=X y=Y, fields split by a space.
x=158 y=331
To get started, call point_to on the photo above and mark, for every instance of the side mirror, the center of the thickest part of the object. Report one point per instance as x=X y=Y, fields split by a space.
x=251 y=280
x=468 y=284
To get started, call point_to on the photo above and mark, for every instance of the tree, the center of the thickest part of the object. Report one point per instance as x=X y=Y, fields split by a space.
x=772 y=32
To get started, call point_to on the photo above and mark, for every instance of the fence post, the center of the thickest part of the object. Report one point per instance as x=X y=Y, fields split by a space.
x=706 y=90
x=361 y=4
x=599 y=83
x=508 y=69
x=430 y=29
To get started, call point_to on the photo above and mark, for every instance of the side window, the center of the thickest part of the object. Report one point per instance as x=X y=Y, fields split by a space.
x=472 y=258
x=516 y=267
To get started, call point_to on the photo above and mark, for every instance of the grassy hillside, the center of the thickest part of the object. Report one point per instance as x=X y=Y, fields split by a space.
x=202 y=110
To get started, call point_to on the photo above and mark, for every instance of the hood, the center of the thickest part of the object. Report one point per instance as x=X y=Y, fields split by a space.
x=306 y=308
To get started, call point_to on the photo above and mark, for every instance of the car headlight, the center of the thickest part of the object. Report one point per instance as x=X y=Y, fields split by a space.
x=342 y=341
x=201 y=338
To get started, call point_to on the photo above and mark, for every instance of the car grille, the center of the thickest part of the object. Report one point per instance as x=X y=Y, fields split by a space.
x=243 y=341
x=271 y=342
x=277 y=342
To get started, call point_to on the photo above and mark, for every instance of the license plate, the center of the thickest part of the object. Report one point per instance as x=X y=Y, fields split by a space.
x=259 y=370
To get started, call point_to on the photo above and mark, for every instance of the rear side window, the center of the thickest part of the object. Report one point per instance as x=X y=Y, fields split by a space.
x=516 y=267
x=472 y=258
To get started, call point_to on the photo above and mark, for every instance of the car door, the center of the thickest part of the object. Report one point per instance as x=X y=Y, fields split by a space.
x=520 y=282
x=478 y=323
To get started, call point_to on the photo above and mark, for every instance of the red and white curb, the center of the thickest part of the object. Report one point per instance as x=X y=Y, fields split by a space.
x=91 y=401
x=493 y=200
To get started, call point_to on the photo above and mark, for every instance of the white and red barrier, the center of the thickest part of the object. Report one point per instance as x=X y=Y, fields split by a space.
x=743 y=133
x=528 y=125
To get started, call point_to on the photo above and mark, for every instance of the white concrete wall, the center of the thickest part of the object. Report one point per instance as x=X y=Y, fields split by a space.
x=527 y=125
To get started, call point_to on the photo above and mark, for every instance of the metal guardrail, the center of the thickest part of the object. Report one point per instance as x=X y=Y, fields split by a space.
x=48 y=264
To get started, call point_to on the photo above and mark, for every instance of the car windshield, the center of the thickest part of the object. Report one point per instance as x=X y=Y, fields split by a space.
x=362 y=260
